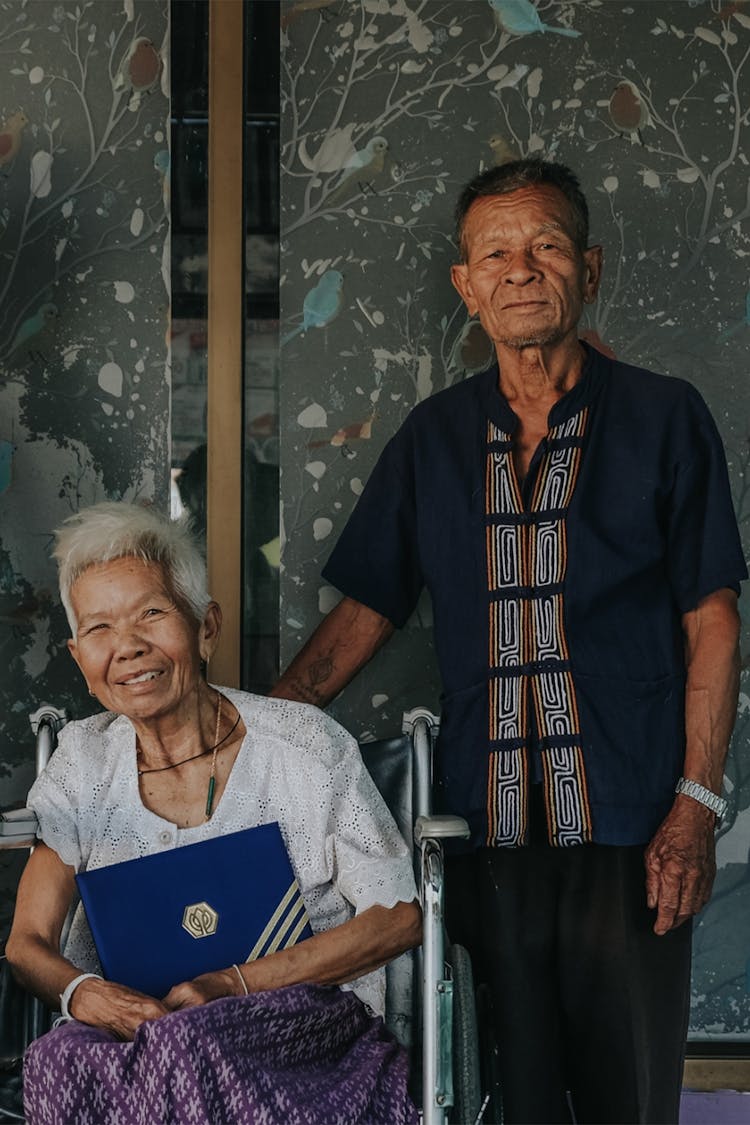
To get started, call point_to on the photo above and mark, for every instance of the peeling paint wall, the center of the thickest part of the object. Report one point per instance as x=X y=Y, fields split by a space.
x=84 y=301
x=388 y=108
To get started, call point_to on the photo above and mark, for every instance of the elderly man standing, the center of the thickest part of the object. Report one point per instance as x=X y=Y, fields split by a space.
x=572 y=520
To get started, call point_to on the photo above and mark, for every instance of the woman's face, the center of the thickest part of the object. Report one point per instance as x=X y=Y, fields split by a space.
x=138 y=649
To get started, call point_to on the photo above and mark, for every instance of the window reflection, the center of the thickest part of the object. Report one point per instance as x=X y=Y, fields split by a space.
x=189 y=268
x=188 y=192
x=260 y=648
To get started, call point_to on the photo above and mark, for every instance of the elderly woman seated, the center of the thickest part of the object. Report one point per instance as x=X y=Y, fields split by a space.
x=294 y=1036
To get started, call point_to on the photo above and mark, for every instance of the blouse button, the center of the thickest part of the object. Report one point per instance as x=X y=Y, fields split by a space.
x=165 y=837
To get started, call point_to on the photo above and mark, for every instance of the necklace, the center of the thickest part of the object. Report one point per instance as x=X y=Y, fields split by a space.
x=212 y=775
x=210 y=750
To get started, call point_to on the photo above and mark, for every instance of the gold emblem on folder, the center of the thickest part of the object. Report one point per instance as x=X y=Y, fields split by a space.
x=200 y=920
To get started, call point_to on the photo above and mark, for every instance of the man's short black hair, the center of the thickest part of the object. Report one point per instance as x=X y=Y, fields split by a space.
x=516 y=174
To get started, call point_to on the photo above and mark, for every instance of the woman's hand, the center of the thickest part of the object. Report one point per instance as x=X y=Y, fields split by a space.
x=209 y=986
x=44 y=896
x=113 y=1007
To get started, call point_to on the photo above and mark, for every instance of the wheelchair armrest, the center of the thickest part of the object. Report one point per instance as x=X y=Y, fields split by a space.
x=440 y=828
x=17 y=828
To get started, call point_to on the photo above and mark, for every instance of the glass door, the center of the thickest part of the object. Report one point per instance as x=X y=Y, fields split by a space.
x=224 y=267
x=186 y=187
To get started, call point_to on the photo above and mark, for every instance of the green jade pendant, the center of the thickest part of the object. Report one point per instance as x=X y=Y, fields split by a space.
x=210 y=797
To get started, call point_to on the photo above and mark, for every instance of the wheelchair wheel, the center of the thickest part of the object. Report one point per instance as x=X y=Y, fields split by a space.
x=11 y=1091
x=466 y=1081
x=489 y=1061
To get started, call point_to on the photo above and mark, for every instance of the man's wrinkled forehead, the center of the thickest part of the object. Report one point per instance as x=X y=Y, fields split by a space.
x=525 y=213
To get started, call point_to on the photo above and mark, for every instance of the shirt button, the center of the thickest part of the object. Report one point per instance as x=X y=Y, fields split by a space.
x=165 y=837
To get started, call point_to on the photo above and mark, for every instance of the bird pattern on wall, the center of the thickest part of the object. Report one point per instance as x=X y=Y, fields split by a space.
x=64 y=222
x=84 y=394
x=11 y=135
x=644 y=100
x=140 y=68
x=520 y=17
x=32 y=328
x=362 y=170
x=502 y=149
x=628 y=110
x=335 y=153
x=321 y=305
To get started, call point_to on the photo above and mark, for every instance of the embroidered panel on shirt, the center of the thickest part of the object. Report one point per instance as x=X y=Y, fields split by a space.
x=526 y=564
x=507 y=795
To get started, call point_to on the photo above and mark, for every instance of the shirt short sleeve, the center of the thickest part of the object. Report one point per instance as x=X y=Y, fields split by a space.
x=53 y=799
x=704 y=552
x=376 y=560
x=372 y=865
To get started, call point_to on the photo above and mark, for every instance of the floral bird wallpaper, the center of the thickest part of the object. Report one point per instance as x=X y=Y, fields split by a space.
x=84 y=303
x=388 y=108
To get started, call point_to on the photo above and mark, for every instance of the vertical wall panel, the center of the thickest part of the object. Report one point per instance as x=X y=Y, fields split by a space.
x=84 y=314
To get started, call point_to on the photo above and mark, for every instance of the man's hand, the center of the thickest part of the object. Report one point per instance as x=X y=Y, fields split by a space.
x=209 y=986
x=681 y=864
x=681 y=858
x=113 y=1007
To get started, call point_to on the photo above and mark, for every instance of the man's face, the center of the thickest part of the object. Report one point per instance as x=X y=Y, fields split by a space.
x=524 y=273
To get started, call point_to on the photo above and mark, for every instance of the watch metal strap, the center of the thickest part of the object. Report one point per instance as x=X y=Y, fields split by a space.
x=704 y=796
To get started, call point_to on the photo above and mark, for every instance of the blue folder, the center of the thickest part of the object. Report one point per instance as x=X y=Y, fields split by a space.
x=169 y=917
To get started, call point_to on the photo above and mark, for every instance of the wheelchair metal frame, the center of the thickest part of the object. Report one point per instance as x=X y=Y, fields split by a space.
x=437 y=986
x=18 y=830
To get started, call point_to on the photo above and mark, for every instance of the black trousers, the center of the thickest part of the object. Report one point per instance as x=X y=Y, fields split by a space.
x=590 y=1007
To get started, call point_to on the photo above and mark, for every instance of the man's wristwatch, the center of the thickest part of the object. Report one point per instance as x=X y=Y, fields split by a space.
x=704 y=796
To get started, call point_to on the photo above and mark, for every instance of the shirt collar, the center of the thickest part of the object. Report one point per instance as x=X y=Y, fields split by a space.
x=499 y=410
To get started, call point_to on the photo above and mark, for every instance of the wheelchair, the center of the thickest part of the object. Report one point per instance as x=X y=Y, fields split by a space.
x=430 y=1001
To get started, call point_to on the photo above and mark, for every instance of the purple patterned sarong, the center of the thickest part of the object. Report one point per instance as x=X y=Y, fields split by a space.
x=296 y=1056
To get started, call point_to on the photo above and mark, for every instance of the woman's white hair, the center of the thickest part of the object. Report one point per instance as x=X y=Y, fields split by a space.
x=116 y=530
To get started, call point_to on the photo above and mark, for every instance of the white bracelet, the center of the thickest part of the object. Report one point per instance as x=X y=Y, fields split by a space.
x=67 y=993
x=242 y=979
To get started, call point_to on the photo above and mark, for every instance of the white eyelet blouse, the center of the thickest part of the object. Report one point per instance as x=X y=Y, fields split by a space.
x=296 y=765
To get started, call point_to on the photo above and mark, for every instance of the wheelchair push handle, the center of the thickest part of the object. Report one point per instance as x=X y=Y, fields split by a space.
x=46 y=721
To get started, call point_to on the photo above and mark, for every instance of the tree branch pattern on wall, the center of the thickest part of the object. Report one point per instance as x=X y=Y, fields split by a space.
x=388 y=108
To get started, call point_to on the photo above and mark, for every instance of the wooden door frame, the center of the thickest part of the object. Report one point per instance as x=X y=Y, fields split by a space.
x=226 y=242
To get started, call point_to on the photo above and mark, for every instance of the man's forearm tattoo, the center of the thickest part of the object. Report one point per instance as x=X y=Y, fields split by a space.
x=320 y=671
x=302 y=692
x=308 y=688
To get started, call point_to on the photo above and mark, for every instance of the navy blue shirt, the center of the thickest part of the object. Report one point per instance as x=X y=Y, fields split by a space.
x=558 y=620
